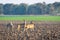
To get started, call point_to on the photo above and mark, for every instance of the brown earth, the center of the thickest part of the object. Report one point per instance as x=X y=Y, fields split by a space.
x=44 y=30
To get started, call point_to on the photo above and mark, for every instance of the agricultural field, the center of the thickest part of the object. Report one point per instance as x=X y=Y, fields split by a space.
x=30 y=17
x=43 y=30
x=45 y=27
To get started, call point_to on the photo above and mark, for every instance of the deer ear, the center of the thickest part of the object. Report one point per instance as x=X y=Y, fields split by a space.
x=11 y=23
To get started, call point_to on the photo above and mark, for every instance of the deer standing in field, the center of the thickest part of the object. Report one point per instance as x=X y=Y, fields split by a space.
x=29 y=26
x=10 y=26
x=18 y=28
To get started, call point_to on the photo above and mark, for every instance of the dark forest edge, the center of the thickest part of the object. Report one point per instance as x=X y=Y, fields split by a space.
x=33 y=9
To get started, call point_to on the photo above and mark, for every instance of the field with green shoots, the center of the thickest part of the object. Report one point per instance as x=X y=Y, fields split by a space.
x=30 y=17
